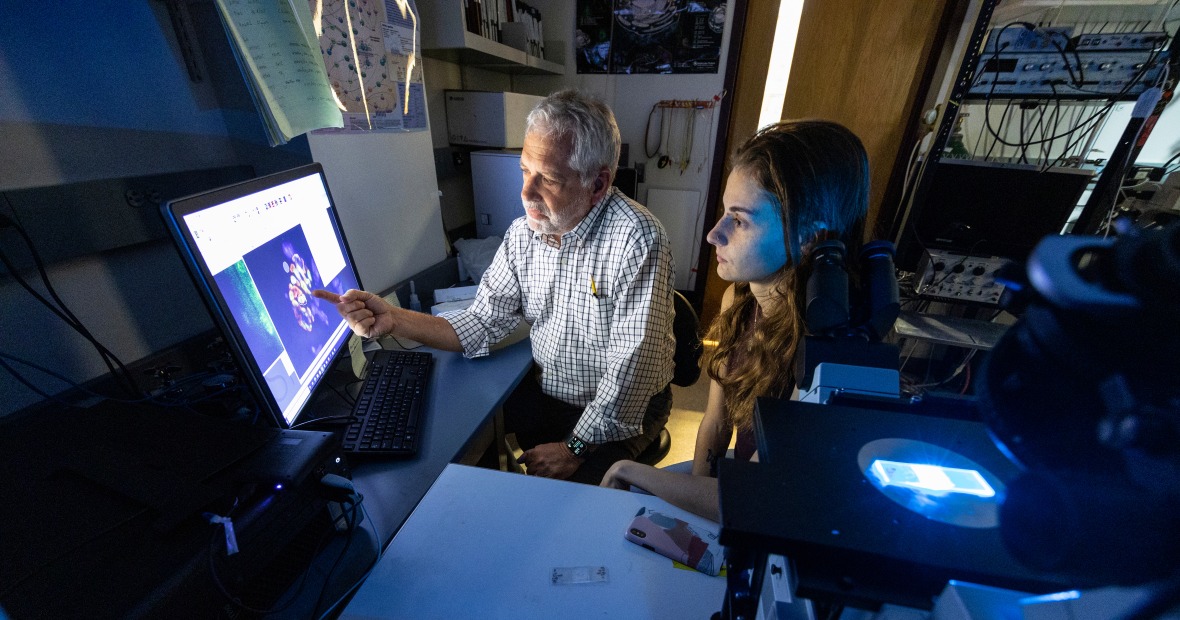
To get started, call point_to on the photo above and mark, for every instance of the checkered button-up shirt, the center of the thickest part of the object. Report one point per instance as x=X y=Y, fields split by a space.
x=600 y=306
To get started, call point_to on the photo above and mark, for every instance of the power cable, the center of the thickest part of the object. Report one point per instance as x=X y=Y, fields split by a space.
x=352 y=523
x=19 y=377
x=1112 y=98
x=689 y=136
x=162 y=399
x=357 y=584
x=61 y=309
x=281 y=605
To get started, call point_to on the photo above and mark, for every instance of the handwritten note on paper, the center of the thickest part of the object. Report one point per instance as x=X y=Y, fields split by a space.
x=285 y=71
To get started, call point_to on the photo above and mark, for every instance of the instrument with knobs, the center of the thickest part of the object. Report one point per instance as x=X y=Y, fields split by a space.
x=951 y=276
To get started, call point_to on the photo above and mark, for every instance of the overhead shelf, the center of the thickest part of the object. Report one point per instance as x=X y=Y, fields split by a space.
x=445 y=37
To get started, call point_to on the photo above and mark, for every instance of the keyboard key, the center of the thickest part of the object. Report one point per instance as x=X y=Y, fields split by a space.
x=391 y=400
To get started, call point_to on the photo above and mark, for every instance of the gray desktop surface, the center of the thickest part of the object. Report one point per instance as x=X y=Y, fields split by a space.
x=464 y=395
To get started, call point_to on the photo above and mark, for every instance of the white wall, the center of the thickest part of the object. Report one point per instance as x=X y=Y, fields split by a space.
x=385 y=191
x=631 y=97
x=108 y=98
x=104 y=94
x=111 y=98
x=1162 y=144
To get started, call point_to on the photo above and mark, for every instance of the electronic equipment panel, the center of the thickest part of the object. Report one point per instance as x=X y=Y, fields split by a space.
x=1003 y=210
x=1018 y=62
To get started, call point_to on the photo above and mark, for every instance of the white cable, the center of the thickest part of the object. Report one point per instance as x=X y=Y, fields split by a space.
x=909 y=166
x=1025 y=126
x=907 y=203
x=1095 y=131
x=1164 y=15
x=958 y=371
x=1141 y=184
x=975 y=148
x=709 y=137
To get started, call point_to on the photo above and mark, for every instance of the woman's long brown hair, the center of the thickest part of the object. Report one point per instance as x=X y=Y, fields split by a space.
x=818 y=174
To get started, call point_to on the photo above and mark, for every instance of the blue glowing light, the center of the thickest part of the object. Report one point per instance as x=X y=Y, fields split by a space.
x=931 y=479
x=1068 y=595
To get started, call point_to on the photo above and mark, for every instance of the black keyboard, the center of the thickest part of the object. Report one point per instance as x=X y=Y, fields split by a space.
x=389 y=406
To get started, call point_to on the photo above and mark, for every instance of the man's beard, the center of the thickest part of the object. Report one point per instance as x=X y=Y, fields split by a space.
x=551 y=225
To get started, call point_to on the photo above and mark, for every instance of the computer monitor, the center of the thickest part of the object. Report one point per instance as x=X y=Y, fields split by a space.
x=992 y=209
x=256 y=250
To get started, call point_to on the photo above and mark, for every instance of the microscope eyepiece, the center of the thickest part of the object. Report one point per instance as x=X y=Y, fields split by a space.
x=827 y=289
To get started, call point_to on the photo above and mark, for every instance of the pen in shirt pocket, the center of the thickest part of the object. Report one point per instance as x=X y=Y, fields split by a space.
x=593 y=287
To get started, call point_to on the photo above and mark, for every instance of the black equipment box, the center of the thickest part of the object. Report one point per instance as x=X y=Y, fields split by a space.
x=107 y=512
x=811 y=499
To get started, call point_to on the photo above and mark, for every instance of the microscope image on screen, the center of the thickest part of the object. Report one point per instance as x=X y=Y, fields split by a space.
x=285 y=273
x=299 y=291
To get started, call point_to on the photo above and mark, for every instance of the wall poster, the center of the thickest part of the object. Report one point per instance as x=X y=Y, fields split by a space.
x=371 y=50
x=649 y=36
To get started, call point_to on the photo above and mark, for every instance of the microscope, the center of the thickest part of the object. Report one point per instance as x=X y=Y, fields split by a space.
x=842 y=351
x=1056 y=487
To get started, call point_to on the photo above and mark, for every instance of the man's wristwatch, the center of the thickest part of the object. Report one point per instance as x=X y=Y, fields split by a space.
x=576 y=446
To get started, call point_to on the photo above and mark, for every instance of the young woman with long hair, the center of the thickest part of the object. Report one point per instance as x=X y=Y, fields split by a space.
x=791 y=185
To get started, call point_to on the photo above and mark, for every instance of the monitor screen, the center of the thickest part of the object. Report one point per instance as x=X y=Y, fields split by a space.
x=256 y=250
x=990 y=209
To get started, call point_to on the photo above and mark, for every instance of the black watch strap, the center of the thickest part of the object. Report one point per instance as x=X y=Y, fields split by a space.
x=576 y=446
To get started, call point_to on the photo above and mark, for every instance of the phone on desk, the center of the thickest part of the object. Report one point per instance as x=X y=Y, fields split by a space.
x=674 y=538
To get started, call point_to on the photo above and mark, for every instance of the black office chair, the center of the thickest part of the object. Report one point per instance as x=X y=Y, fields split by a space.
x=686 y=327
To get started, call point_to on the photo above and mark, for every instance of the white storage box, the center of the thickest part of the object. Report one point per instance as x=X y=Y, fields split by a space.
x=481 y=118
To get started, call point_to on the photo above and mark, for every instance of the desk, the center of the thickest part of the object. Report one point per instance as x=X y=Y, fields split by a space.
x=483 y=544
x=116 y=475
x=464 y=394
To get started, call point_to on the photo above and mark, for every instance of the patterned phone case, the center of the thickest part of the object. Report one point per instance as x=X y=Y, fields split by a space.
x=673 y=538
